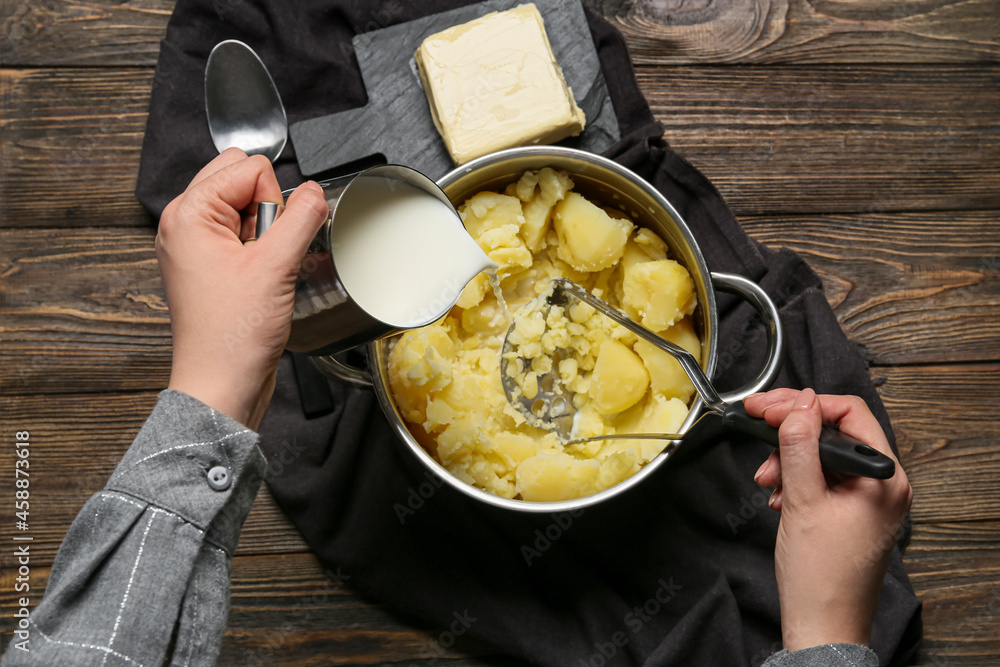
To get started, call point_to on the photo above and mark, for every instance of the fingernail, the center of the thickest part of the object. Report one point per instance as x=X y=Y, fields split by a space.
x=313 y=185
x=759 y=470
x=773 y=498
x=764 y=410
x=805 y=399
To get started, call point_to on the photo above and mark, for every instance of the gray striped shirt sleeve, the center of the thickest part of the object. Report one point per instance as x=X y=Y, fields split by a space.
x=828 y=655
x=142 y=576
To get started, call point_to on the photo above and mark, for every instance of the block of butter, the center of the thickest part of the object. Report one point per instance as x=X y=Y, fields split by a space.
x=494 y=83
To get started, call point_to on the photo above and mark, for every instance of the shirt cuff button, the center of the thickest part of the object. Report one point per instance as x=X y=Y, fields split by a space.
x=219 y=478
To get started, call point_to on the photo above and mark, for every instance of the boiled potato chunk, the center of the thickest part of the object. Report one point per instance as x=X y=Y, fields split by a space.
x=474 y=292
x=489 y=210
x=619 y=380
x=539 y=191
x=494 y=221
x=683 y=334
x=666 y=376
x=420 y=363
x=589 y=238
x=513 y=448
x=651 y=244
x=663 y=415
x=660 y=291
x=658 y=414
x=551 y=475
x=665 y=373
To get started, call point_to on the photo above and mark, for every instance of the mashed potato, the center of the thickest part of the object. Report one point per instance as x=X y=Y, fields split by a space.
x=445 y=377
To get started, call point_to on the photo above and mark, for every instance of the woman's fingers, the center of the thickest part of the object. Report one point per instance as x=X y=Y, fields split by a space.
x=769 y=473
x=758 y=405
x=801 y=472
x=849 y=413
x=222 y=160
x=227 y=186
x=290 y=235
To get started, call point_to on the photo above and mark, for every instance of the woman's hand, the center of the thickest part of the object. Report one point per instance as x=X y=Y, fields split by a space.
x=835 y=536
x=231 y=303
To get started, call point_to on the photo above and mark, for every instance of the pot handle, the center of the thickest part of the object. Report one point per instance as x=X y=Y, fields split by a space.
x=341 y=372
x=761 y=302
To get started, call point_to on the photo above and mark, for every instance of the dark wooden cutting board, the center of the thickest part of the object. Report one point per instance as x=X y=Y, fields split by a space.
x=396 y=122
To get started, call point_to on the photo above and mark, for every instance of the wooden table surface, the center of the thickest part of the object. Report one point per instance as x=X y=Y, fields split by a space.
x=862 y=134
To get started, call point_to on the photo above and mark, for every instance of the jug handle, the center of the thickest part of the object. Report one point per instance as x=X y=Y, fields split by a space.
x=762 y=303
x=341 y=372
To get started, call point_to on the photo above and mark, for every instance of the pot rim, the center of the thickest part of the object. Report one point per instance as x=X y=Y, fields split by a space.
x=377 y=350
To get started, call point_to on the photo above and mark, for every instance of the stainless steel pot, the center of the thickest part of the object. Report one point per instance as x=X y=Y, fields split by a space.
x=606 y=181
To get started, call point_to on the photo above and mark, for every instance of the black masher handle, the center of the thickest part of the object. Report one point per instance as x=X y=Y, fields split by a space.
x=837 y=451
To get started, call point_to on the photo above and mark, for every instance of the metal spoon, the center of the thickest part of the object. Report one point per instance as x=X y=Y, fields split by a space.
x=242 y=103
x=551 y=406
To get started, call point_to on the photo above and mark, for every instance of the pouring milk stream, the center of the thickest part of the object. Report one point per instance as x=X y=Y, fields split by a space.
x=394 y=255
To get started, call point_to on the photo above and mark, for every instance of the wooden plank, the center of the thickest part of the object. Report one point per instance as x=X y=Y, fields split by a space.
x=911 y=288
x=77 y=440
x=807 y=32
x=72 y=140
x=774 y=140
x=97 y=32
x=83 y=310
x=307 y=616
x=828 y=139
x=946 y=428
x=954 y=569
x=109 y=33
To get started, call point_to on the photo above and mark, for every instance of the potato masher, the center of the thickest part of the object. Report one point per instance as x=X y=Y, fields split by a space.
x=551 y=407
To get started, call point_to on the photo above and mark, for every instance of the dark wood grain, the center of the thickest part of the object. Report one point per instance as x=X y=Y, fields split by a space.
x=910 y=287
x=287 y=609
x=310 y=615
x=111 y=33
x=947 y=431
x=84 y=310
x=807 y=32
x=72 y=140
x=104 y=32
x=774 y=140
x=955 y=569
x=831 y=139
